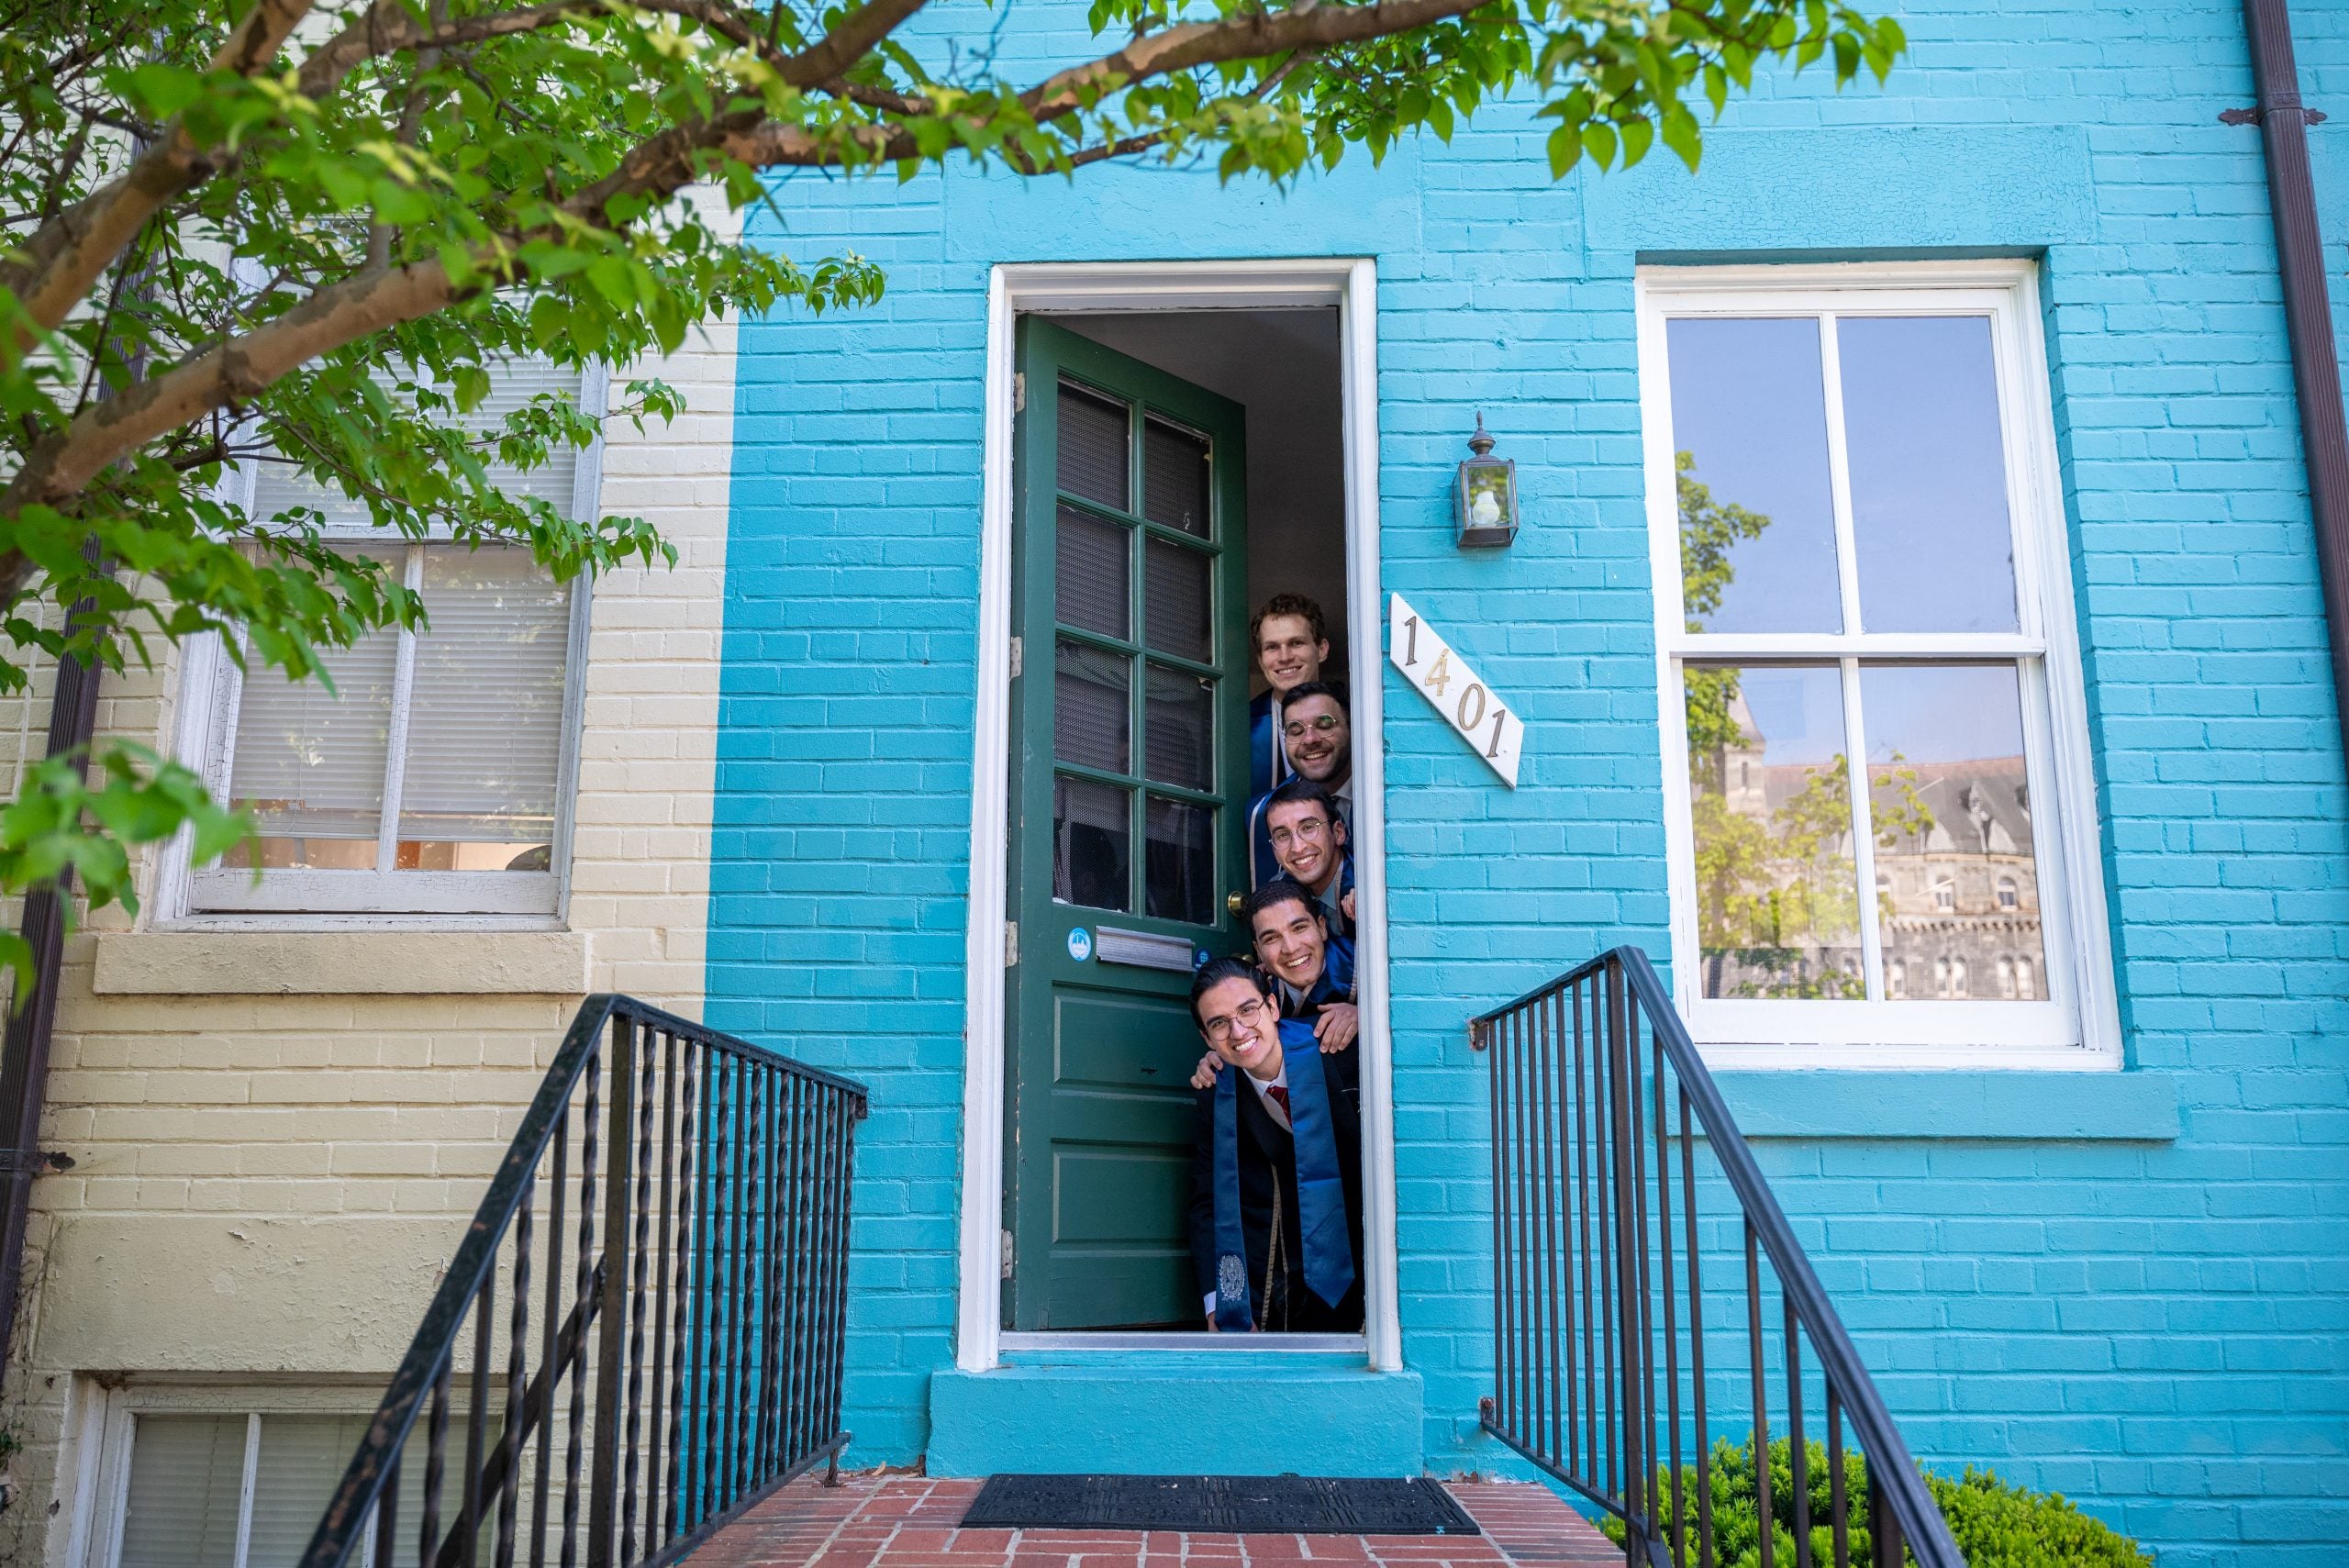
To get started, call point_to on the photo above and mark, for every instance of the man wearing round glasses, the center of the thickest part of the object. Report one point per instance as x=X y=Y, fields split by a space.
x=1276 y=1169
x=1308 y=838
x=1312 y=972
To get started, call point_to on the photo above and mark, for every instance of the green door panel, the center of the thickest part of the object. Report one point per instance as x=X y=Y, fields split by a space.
x=1122 y=1041
x=1095 y=1187
x=1128 y=792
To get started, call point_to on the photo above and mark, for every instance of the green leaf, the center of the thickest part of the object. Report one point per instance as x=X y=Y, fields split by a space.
x=1598 y=140
x=1638 y=136
x=164 y=90
x=1566 y=150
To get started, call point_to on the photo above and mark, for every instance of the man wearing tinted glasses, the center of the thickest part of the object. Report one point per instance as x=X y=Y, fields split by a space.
x=1276 y=1169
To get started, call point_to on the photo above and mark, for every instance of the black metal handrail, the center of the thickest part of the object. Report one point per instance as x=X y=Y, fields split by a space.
x=742 y=1160
x=1600 y=1311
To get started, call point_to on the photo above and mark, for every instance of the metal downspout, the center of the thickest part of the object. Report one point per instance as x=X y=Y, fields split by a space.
x=24 y=1060
x=2308 y=317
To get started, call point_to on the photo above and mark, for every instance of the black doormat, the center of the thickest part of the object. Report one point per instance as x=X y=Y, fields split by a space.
x=1225 y=1505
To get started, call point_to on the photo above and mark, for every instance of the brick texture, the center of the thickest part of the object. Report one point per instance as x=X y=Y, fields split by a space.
x=2154 y=1326
x=268 y=1185
x=870 y=1521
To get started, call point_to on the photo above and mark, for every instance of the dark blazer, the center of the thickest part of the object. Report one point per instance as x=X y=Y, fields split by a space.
x=1267 y=1155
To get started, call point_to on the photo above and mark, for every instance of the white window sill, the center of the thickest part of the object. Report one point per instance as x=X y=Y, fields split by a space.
x=378 y=962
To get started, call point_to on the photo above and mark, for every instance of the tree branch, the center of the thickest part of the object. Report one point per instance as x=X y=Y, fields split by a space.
x=1246 y=36
x=68 y=254
x=60 y=465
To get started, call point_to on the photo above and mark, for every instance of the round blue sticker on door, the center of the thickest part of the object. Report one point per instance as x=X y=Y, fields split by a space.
x=1080 y=944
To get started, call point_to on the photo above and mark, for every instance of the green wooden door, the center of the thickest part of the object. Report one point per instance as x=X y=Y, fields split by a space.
x=1128 y=792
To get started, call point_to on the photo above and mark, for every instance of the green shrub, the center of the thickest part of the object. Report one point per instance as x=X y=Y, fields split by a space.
x=1996 y=1525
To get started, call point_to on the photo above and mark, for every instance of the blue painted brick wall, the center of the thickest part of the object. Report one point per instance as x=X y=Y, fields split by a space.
x=2157 y=1327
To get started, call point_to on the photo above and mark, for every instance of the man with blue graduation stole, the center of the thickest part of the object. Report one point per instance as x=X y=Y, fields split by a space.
x=1276 y=1197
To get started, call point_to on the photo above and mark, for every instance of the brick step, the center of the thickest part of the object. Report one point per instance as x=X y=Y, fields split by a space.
x=905 y=1521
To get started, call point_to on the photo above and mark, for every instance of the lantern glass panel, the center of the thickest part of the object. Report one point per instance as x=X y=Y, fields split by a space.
x=1489 y=502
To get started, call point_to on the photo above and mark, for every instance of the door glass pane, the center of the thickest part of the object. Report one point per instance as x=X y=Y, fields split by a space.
x=1777 y=901
x=308 y=762
x=1929 y=474
x=1175 y=477
x=1957 y=888
x=1094 y=456
x=484 y=731
x=187 y=1476
x=1092 y=697
x=1091 y=844
x=1176 y=600
x=1749 y=434
x=1179 y=728
x=1089 y=581
x=1179 y=875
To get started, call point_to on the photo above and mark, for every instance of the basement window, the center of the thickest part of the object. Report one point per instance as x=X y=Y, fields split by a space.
x=210 y=1478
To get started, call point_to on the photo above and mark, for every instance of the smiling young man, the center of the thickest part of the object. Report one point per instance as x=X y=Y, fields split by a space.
x=1276 y=1233
x=1308 y=838
x=1319 y=741
x=1291 y=638
x=1312 y=972
x=1292 y=641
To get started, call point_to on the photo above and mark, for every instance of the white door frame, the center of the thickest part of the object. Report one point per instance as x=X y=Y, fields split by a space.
x=1351 y=286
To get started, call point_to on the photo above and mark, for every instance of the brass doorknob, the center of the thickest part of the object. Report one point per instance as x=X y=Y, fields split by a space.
x=1233 y=901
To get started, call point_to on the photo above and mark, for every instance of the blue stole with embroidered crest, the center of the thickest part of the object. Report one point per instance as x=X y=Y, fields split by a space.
x=1320 y=1188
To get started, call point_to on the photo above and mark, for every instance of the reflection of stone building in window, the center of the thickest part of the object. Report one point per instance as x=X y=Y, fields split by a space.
x=1959 y=902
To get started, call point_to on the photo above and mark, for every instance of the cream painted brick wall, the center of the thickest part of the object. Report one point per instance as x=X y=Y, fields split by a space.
x=269 y=1185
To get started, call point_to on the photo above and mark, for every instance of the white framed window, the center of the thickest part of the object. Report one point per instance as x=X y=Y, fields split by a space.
x=207 y=1477
x=437 y=776
x=1868 y=668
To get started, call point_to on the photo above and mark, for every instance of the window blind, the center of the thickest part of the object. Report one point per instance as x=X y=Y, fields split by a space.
x=513 y=383
x=186 y=1480
x=309 y=762
x=484 y=735
x=301 y=1459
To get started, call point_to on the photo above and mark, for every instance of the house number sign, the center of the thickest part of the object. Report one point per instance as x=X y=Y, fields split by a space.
x=1489 y=725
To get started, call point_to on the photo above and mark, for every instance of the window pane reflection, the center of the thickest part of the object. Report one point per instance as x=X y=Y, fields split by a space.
x=1175 y=477
x=1178 y=872
x=1957 y=885
x=1777 y=896
x=1749 y=432
x=1093 y=451
x=1179 y=728
x=1176 y=601
x=1929 y=477
x=1091 y=844
x=1089 y=574
x=1089 y=707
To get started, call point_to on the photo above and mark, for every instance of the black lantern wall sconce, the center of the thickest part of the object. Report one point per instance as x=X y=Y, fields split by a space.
x=1485 y=496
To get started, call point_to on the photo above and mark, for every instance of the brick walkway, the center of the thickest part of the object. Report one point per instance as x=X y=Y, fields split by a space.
x=903 y=1521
